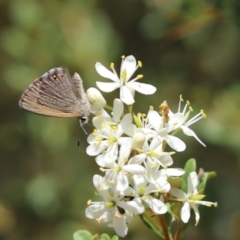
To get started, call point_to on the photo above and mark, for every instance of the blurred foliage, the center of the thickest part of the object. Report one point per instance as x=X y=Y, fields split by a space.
x=187 y=47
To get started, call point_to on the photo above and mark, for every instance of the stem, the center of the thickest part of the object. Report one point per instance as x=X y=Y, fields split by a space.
x=164 y=227
x=178 y=232
x=130 y=108
x=108 y=107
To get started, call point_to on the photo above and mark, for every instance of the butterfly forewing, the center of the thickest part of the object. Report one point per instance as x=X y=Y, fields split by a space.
x=56 y=94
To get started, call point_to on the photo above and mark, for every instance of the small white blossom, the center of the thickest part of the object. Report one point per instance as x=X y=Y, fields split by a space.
x=144 y=189
x=180 y=120
x=104 y=140
x=156 y=121
x=116 y=209
x=116 y=173
x=127 y=86
x=191 y=198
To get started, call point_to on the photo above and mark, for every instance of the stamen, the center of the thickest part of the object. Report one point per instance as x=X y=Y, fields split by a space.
x=139 y=76
x=123 y=75
x=89 y=202
x=102 y=169
x=203 y=113
x=112 y=65
x=139 y=63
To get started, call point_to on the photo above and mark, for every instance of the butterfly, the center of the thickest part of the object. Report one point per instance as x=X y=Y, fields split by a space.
x=57 y=94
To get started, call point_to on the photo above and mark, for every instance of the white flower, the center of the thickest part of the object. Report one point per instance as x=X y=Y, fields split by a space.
x=127 y=86
x=156 y=121
x=179 y=120
x=116 y=209
x=144 y=190
x=191 y=198
x=117 y=172
x=105 y=138
x=151 y=153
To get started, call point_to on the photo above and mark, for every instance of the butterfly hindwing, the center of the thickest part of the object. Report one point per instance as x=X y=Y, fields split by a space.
x=54 y=94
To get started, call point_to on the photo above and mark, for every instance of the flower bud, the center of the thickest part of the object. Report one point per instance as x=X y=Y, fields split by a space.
x=95 y=98
x=138 y=140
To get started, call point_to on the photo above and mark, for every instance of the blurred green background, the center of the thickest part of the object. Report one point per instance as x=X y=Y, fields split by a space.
x=188 y=47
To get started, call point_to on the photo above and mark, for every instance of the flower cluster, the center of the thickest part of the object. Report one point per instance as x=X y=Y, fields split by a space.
x=131 y=152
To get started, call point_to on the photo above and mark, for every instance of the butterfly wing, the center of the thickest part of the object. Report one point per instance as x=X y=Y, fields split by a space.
x=52 y=95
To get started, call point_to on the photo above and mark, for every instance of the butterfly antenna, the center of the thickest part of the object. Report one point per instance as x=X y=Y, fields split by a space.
x=83 y=121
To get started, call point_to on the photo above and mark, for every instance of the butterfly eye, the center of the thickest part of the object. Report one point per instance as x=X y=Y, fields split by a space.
x=83 y=120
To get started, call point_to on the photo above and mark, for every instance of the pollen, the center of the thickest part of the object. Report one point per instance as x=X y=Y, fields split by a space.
x=139 y=63
x=124 y=75
x=112 y=65
x=118 y=215
x=203 y=113
x=139 y=76
x=112 y=139
x=89 y=202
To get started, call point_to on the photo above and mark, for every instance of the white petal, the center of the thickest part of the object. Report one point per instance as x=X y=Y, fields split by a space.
x=133 y=207
x=178 y=193
x=91 y=138
x=95 y=210
x=123 y=140
x=165 y=159
x=134 y=168
x=104 y=72
x=107 y=87
x=129 y=64
x=174 y=172
x=190 y=132
x=192 y=182
x=143 y=88
x=196 y=211
x=126 y=95
x=126 y=124
x=155 y=119
x=139 y=181
x=95 y=149
x=117 y=110
x=122 y=182
x=138 y=159
x=156 y=205
x=185 y=212
x=176 y=143
x=120 y=226
x=97 y=180
x=124 y=153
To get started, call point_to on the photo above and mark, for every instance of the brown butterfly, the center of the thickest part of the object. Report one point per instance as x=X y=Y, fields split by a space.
x=57 y=94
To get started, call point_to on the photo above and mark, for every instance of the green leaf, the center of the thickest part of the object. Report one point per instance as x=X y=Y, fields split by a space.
x=115 y=237
x=175 y=181
x=190 y=166
x=205 y=178
x=105 y=236
x=152 y=222
x=82 y=235
x=175 y=209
